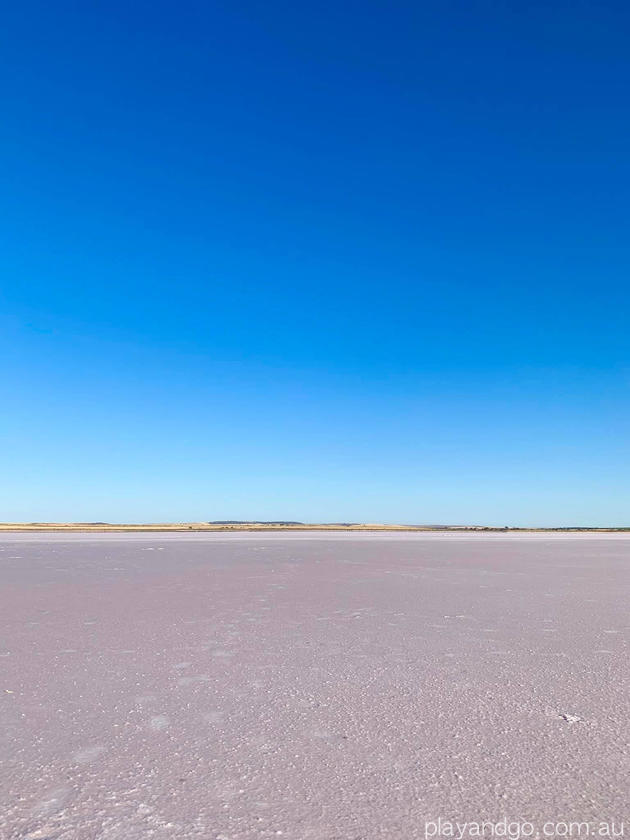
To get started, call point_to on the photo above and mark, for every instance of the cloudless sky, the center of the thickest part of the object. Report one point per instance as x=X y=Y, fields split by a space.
x=327 y=261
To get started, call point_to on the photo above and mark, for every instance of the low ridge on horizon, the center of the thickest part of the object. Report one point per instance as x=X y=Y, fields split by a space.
x=281 y=524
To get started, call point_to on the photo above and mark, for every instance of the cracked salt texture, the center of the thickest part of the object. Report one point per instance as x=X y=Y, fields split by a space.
x=315 y=686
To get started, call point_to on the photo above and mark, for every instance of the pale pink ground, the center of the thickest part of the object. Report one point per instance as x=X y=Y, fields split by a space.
x=310 y=686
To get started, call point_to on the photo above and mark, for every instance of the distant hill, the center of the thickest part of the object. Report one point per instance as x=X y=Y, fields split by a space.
x=253 y=522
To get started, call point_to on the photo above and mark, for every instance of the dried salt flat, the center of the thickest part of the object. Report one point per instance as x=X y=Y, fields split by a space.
x=353 y=694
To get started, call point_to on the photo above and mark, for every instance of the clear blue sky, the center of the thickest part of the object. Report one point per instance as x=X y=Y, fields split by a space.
x=322 y=261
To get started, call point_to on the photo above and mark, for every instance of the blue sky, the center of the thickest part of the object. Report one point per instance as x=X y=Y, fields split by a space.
x=358 y=261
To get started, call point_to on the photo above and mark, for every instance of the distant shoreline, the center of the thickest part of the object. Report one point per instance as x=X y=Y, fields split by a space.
x=103 y=527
